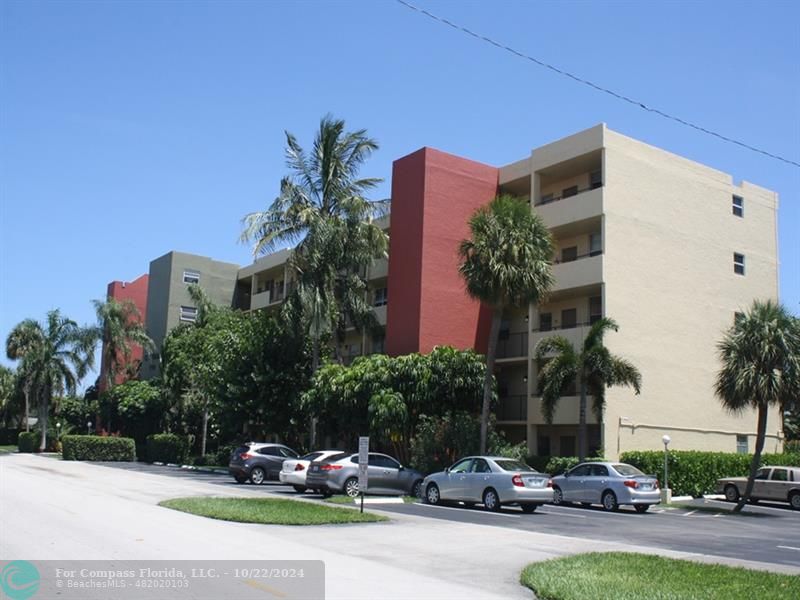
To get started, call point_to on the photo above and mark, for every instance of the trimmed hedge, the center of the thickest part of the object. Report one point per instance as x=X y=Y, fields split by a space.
x=95 y=447
x=28 y=441
x=558 y=464
x=695 y=473
x=167 y=448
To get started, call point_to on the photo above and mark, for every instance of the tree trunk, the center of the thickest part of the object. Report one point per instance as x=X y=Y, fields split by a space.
x=27 y=393
x=582 y=441
x=205 y=430
x=491 y=353
x=43 y=404
x=312 y=426
x=761 y=433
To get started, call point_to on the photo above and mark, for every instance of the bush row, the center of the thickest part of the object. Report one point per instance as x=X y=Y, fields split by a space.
x=95 y=447
x=695 y=473
x=8 y=436
x=167 y=448
x=28 y=441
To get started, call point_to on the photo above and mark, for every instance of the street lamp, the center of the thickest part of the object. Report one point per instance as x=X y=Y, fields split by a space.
x=88 y=428
x=58 y=431
x=666 y=493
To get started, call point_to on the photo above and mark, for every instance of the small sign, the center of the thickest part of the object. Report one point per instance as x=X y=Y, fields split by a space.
x=363 y=462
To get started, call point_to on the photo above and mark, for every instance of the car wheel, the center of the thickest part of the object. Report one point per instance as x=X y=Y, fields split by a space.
x=491 y=501
x=299 y=488
x=731 y=493
x=528 y=508
x=610 y=502
x=351 y=487
x=416 y=489
x=794 y=500
x=641 y=508
x=258 y=475
x=432 y=495
x=558 y=496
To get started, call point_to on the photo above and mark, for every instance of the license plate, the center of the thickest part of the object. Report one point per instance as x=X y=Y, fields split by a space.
x=535 y=482
x=314 y=468
x=647 y=486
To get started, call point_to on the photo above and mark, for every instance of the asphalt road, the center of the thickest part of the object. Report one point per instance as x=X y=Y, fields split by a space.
x=767 y=533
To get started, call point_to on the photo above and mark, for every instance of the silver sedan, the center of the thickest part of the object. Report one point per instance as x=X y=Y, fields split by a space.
x=607 y=483
x=493 y=481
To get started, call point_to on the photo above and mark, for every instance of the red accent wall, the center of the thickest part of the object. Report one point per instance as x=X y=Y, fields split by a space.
x=136 y=292
x=433 y=196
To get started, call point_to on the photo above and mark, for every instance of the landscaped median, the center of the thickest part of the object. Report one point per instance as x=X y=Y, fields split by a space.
x=629 y=576
x=269 y=511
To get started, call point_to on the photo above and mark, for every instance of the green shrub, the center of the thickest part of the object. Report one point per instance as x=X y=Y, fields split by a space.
x=695 y=473
x=539 y=463
x=95 y=447
x=167 y=448
x=28 y=441
x=558 y=464
x=223 y=455
x=9 y=436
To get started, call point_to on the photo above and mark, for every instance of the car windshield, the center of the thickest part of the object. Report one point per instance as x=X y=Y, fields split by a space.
x=627 y=470
x=514 y=465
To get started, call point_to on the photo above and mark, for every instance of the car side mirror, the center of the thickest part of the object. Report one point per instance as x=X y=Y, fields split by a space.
x=447 y=469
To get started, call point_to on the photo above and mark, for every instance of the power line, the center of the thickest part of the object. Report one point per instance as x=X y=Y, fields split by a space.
x=593 y=85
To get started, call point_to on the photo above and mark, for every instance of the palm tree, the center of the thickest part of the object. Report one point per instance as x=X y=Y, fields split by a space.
x=592 y=367
x=505 y=264
x=760 y=358
x=54 y=357
x=120 y=327
x=8 y=389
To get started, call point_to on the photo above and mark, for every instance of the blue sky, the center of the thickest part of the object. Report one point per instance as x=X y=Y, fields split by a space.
x=128 y=129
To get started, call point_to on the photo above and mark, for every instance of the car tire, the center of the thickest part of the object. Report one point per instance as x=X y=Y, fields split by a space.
x=528 y=508
x=794 y=500
x=731 y=493
x=641 y=508
x=432 y=495
x=610 y=502
x=350 y=487
x=491 y=501
x=416 y=489
x=300 y=489
x=240 y=480
x=558 y=496
x=258 y=476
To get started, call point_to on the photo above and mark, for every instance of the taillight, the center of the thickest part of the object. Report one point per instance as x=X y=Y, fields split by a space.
x=549 y=483
x=631 y=483
x=658 y=485
x=517 y=481
x=330 y=467
x=246 y=455
x=299 y=467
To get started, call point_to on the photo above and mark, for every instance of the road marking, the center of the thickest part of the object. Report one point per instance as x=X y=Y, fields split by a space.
x=789 y=548
x=467 y=511
x=690 y=513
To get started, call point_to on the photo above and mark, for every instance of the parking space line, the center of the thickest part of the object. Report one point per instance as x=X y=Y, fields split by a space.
x=467 y=511
x=789 y=548
x=689 y=514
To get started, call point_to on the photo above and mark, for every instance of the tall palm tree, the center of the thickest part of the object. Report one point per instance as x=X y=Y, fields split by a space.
x=760 y=358
x=119 y=325
x=53 y=357
x=592 y=367
x=505 y=264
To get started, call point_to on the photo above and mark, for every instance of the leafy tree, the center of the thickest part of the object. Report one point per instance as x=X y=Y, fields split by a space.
x=592 y=367
x=53 y=357
x=760 y=358
x=76 y=412
x=506 y=263
x=8 y=390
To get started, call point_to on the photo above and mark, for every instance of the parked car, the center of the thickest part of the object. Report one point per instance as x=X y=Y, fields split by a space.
x=493 y=481
x=258 y=462
x=294 y=470
x=339 y=474
x=779 y=484
x=608 y=483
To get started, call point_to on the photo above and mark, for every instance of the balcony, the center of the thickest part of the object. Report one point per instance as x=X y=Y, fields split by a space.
x=512 y=408
x=379 y=269
x=260 y=300
x=558 y=210
x=380 y=314
x=585 y=270
x=515 y=345
x=566 y=412
x=574 y=334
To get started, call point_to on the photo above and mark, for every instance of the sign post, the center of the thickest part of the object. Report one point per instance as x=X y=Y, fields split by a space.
x=363 y=463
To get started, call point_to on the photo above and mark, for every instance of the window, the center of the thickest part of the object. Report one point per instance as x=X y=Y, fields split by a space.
x=191 y=276
x=595 y=309
x=269 y=451
x=567 y=447
x=580 y=470
x=570 y=191
x=288 y=452
x=384 y=462
x=738 y=263
x=738 y=206
x=599 y=471
x=545 y=321
x=188 y=314
x=379 y=344
x=595 y=244
x=595 y=179
x=762 y=474
x=381 y=297
x=543 y=445
x=480 y=466
x=569 y=318
x=546 y=199
x=505 y=330
x=741 y=444
x=461 y=466
x=780 y=475
x=569 y=254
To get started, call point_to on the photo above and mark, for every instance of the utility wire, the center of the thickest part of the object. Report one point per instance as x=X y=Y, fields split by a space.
x=593 y=85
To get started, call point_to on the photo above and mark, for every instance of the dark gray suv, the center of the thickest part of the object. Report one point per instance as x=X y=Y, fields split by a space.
x=258 y=462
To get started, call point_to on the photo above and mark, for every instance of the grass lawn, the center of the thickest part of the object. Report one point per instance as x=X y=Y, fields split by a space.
x=348 y=500
x=8 y=449
x=628 y=576
x=274 y=511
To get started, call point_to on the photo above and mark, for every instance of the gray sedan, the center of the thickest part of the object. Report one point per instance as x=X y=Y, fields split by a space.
x=607 y=483
x=489 y=480
x=781 y=484
x=339 y=473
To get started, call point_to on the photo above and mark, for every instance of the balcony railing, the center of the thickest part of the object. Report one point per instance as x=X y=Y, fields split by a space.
x=560 y=261
x=512 y=408
x=549 y=198
x=592 y=321
x=513 y=345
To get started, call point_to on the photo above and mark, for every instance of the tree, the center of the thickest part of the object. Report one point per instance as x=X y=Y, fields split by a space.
x=592 y=367
x=505 y=264
x=53 y=357
x=760 y=358
x=120 y=328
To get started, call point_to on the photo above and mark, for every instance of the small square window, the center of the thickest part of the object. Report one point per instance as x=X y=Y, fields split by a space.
x=545 y=321
x=738 y=263
x=595 y=179
x=738 y=206
x=191 y=277
x=188 y=314
x=569 y=254
x=741 y=444
x=381 y=297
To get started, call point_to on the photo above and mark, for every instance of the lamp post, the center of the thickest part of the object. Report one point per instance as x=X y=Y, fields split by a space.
x=666 y=493
x=88 y=428
x=58 y=431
